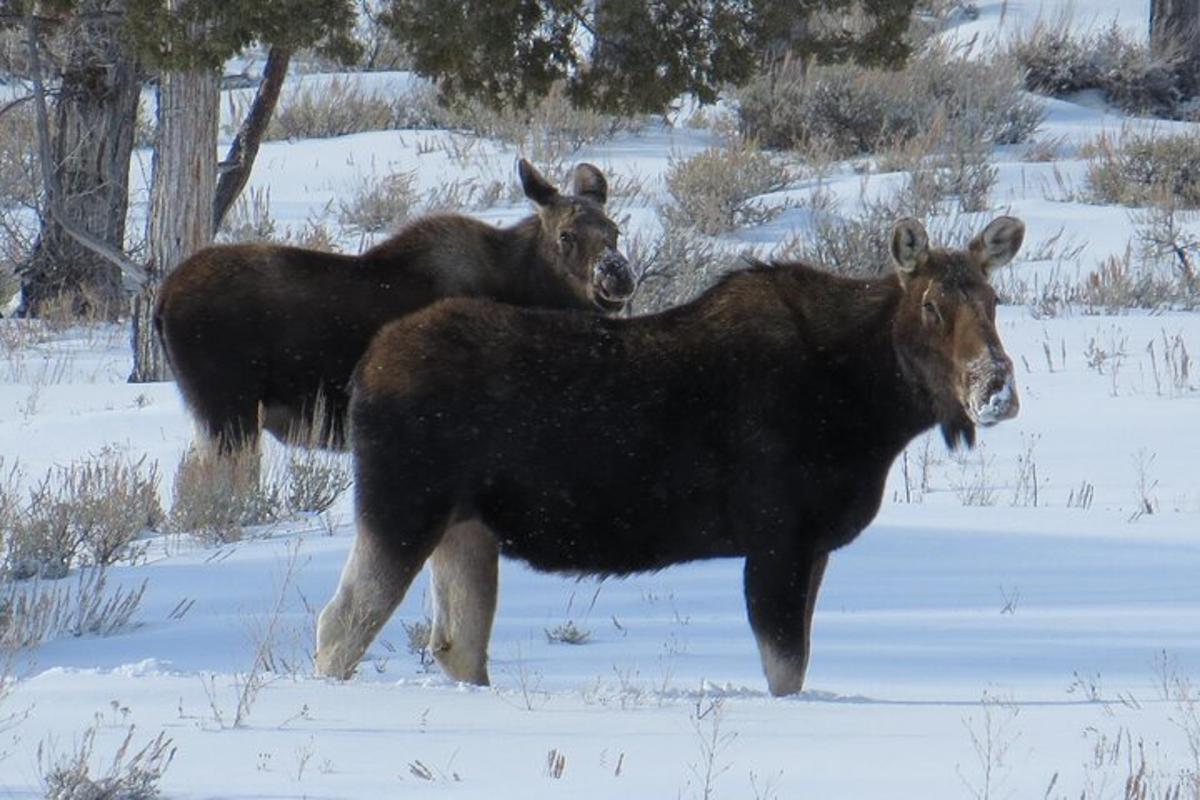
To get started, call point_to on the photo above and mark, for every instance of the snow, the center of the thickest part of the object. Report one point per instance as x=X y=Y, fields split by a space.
x=1044 y=627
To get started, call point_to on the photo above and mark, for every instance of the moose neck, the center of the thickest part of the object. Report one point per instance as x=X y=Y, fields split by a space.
x=851 y=324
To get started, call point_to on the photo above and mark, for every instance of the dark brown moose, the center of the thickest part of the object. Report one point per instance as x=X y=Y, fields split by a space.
x=259 y=325
x=759 y=420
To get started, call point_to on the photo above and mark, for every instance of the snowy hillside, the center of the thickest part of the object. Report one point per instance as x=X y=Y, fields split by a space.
x=1020 y=621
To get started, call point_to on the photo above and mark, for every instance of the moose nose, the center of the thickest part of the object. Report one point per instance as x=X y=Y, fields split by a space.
x=614 y=277
x=999 y=400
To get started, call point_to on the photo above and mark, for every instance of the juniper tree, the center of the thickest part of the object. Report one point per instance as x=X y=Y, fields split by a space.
x=631 y=55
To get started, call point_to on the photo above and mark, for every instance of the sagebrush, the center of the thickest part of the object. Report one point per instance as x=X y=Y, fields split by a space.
x=846 y=110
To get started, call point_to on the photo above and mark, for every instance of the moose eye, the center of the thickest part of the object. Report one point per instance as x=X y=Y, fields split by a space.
x=931 y=310
x=566 y=238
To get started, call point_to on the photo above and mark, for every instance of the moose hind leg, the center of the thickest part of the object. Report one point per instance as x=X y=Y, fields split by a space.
x=374 y=581
x=781 y=594
x=465 y=567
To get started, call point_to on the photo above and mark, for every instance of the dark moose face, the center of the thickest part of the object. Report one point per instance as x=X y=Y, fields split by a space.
x=580 y=237
x=946 y=327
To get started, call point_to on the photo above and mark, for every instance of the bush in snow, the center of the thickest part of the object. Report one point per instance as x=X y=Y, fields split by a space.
x=674 y=266
x=130 y=776
x=314 y=479
x=379 y=204
x=1057 y=61
x=89 y=512
x=1145 y=169
x=848 y=110
x=714 y=190
x=320 y=109
x=216 y=497
x=19 y=194
x=249 y=219
x=547 y=131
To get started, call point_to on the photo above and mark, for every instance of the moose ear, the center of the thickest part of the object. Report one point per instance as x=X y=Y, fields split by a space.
x=910 y=246
x=537 y=188
x=998 y=242
x=588 y=181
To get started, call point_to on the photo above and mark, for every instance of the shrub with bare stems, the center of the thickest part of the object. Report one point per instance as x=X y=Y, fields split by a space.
x=715 y=190
x=846 y=110
x=131 y=775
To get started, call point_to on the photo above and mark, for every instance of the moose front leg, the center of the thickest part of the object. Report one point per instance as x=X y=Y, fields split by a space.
x=781 y=594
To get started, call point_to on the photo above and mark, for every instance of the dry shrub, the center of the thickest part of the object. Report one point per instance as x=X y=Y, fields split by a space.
x=849 y=110
x=339 y=105
x=379 y=203
x=1057 y=61
x=249 y=219
x=19 y=195
x=947 y=162
x=1141 y=169
x=314 y=234
x=859 y=245
x=1127 y=281
x=89 y=512
x=32 y=612
x=546 y=130
x=326 y=108
x=675 y=266
x=217 y=496
x=130 y=776
x=469 y=194
x=714 y=190
x=314 y=479
x=305 y=474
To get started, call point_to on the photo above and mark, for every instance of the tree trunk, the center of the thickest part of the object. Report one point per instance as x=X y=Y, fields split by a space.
x=1175 y=30
x=181 y=201
x=242 y=152
x=92 y=144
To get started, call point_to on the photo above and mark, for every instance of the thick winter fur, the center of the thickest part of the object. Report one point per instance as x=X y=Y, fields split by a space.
x=759 y=420
x=260 y=325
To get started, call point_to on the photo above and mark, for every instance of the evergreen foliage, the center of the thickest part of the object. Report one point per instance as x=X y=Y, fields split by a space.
x=627 y=56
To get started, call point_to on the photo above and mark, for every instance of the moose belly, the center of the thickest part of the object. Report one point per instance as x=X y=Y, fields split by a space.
x=612 y=530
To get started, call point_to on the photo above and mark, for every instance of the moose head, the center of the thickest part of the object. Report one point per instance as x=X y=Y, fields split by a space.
x=945 y=329
x=577 y=234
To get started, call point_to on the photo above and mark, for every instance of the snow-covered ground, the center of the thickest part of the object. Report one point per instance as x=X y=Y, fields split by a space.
x=960 y=650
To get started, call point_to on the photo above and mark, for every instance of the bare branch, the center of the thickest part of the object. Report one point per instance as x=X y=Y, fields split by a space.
x=133 y=275
x=11 y=104
x=240 y=159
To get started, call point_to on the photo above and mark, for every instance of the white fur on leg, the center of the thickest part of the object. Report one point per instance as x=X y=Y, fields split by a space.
x=465 y=577
x=368 y=592
x=785 y=674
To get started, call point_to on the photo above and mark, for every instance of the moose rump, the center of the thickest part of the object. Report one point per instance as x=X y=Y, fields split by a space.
x=759 y=420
